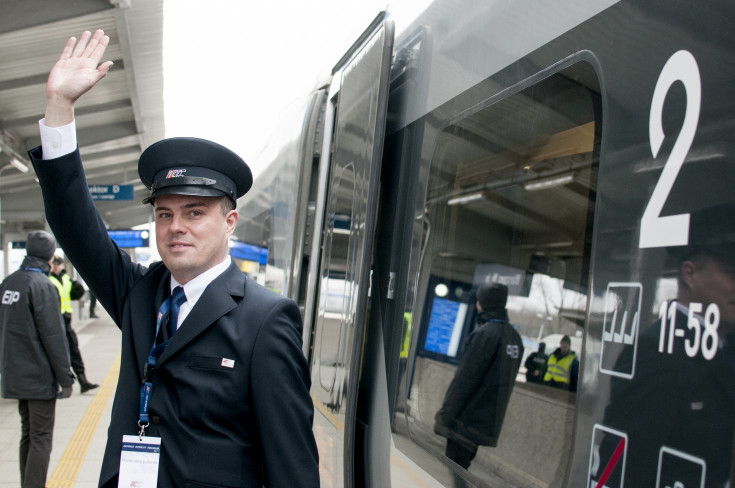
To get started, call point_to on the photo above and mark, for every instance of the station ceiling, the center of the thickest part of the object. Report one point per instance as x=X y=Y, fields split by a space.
x=115 y=121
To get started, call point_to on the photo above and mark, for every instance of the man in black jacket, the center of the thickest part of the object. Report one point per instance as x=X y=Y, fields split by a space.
x=476 y=400
x=34 y=360
x=212 y=368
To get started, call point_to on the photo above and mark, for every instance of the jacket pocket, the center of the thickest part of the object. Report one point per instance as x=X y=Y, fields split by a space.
x=211 y=363
x=198 y=484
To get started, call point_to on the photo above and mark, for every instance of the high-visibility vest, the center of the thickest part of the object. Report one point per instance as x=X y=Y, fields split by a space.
x=64 y=287
x=559 y=369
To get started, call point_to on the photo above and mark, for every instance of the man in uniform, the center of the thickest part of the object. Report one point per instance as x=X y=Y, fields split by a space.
x=687 y=358
x=34 y=360
x=226 y=389
x=63 y=283
x=562 y=367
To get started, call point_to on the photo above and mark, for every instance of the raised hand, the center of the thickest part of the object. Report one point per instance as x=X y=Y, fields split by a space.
x=74 y=74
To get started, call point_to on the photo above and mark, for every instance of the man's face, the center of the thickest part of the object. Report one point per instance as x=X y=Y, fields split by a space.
x=56 y=268
x=192 y=233
x=712 y=280
x=564 y=346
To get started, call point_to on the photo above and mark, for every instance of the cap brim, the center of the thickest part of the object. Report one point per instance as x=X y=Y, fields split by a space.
x=198 y=191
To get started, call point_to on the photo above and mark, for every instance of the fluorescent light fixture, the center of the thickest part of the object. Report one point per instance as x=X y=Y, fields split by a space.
x=551 y=182
x=465 y=198
x=19 y=165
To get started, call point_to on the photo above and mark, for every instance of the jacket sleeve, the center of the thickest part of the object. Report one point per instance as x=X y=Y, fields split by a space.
x=79 y=229
x=50 y=325
x=283 y=408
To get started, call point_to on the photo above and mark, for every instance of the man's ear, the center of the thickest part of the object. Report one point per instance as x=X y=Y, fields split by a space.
x=686 y=272
x=231 y=221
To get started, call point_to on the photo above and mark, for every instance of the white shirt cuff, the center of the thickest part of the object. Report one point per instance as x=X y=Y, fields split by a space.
x=57 y=141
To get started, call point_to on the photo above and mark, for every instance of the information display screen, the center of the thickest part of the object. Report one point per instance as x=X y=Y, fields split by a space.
x=446 y=321
x=130 y=238
x=249 y=252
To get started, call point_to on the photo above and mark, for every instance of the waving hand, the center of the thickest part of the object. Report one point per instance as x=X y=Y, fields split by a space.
x=74 y=74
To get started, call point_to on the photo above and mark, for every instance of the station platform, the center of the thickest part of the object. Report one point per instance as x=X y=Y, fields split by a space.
x=80 y=430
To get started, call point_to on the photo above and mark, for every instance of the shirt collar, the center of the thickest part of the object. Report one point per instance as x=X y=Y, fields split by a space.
x=194 y=288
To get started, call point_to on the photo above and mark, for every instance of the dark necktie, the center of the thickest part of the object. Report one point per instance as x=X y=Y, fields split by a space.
x=177 y=298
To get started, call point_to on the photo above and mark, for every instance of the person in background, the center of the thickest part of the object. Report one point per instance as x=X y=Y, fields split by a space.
x=63 y=283
x=34 y=358
x=92 y=306
x=475 y=402
x=562 y=368
x=212 y=368
x=536 y=365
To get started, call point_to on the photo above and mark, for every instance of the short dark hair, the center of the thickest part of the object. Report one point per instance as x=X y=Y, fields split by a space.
x=492 y=295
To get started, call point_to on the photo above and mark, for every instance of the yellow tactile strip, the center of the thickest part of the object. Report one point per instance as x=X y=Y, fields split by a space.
x=66 y=472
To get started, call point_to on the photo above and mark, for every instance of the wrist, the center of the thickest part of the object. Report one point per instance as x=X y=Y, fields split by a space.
x=58 y=112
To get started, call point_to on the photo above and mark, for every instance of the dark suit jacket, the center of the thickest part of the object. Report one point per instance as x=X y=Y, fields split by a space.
x=220 y=426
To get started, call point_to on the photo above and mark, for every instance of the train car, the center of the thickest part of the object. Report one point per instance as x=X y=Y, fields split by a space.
x=578 y=152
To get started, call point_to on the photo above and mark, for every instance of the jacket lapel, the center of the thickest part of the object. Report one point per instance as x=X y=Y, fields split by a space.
x=217 y=300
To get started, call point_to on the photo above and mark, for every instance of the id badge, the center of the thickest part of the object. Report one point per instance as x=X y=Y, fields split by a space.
x=139 y=462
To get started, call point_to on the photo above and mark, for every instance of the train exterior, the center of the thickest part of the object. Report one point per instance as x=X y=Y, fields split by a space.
x=578 y=152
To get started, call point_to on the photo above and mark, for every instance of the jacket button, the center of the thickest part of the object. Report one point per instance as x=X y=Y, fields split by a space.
x=155 y=419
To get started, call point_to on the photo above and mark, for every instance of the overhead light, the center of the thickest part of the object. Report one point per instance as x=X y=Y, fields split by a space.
x=551 y=182
x=23 y=168
x=465 y=198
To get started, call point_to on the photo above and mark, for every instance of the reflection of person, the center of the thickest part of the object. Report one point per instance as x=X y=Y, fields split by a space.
x=536 y=365
x=63 y=283
x=562 y=367
x=687 y=358
x=476 y=400
x=34 y=360
x=227 y=387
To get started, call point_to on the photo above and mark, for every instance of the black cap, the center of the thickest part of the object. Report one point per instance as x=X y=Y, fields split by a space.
x=492 y=295
x=712 y=231
x=191 y=166
x=40 y=244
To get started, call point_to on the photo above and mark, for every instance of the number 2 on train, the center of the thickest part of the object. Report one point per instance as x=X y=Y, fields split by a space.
x=671 y=230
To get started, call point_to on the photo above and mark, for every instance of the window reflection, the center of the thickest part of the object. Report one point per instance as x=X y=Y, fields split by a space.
x=510 y=201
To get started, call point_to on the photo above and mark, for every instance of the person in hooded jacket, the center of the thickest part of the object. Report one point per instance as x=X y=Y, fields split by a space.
x=475 y=403
x=34 y=359
x=536 y=365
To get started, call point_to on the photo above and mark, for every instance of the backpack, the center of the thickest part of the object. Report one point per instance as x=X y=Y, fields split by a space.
x=77 y=290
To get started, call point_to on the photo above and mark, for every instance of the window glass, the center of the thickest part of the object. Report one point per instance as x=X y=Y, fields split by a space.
x=510 y=201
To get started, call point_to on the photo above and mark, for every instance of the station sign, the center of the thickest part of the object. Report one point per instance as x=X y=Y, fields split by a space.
x=130 y=238
x=111 y=192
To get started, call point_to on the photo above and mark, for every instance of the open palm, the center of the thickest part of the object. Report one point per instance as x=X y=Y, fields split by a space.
x=77 y=69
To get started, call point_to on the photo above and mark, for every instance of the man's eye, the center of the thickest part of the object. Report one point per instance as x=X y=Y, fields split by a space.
x=195 y=213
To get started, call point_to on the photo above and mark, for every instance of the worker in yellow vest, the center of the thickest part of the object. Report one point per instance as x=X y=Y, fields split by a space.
x=562 y=368
x=63 y=283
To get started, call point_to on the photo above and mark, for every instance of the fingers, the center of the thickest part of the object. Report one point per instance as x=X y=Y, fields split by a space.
x=81 y=45
x=89 y=46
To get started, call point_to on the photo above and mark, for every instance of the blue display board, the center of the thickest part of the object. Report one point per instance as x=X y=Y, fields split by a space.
x=446 y=322
x=130 y=238
x=249 y=252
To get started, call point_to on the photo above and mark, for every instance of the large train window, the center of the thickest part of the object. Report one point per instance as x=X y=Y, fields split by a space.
x=510 y=200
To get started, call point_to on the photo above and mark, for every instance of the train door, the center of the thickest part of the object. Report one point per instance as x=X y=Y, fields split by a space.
x=344 y=279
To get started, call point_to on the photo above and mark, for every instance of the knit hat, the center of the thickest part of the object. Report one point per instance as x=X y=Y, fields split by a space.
x=492 y=295
x=40 y=244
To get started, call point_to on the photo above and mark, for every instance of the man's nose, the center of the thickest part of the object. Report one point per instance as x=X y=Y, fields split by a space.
x=177 y=224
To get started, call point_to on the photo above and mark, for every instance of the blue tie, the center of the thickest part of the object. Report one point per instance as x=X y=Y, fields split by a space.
x=177 y=298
